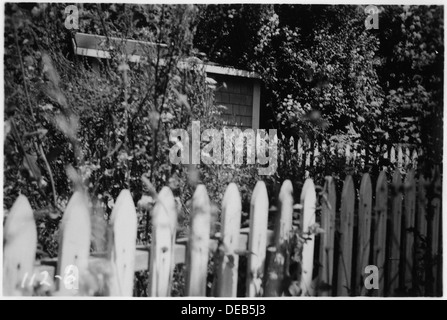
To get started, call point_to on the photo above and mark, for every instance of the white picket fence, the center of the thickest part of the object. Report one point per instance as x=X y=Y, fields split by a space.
x=363 y=216
x=308 y=154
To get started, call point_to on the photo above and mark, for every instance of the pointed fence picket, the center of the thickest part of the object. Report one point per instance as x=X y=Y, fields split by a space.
x=74 y=244
x=409 y=218
x=124 y=225
x=257 y=240
x=396 y=226
x=161 y=262
x=328 y=225
x=277 y=267
x=228 y=259
x=364 y=232
x=19 y=250
x=381 y=208
x=346 y=238
x=308 y=202
x=405 y=207
x=198 y=245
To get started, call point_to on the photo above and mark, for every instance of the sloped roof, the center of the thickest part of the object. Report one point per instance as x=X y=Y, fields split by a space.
x=90 y=45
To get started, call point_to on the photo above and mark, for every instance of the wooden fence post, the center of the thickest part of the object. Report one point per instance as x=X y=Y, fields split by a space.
x=364 y=232
x=124 y=226
x=410 y=227
x=380 y=209
x=198 y=244
x=308 y=201
x=344 y=287
x=20 y=240
x=394 y=281
x=227 y=269
x=74 y=244
x=161 y=262
x=328 y=224
x=257 y=240
x=283 y=227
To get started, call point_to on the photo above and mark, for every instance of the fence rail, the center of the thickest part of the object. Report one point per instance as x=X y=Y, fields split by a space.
x=396 y=228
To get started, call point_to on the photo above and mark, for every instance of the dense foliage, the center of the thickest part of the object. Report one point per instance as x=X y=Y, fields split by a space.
x=326 y=76
x=105 y=129
x=75 y=123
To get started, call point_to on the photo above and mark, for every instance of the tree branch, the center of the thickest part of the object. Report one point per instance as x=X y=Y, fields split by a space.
x=39 y=147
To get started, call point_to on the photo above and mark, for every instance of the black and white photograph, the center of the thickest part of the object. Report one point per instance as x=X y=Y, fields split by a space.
x=222 y=150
